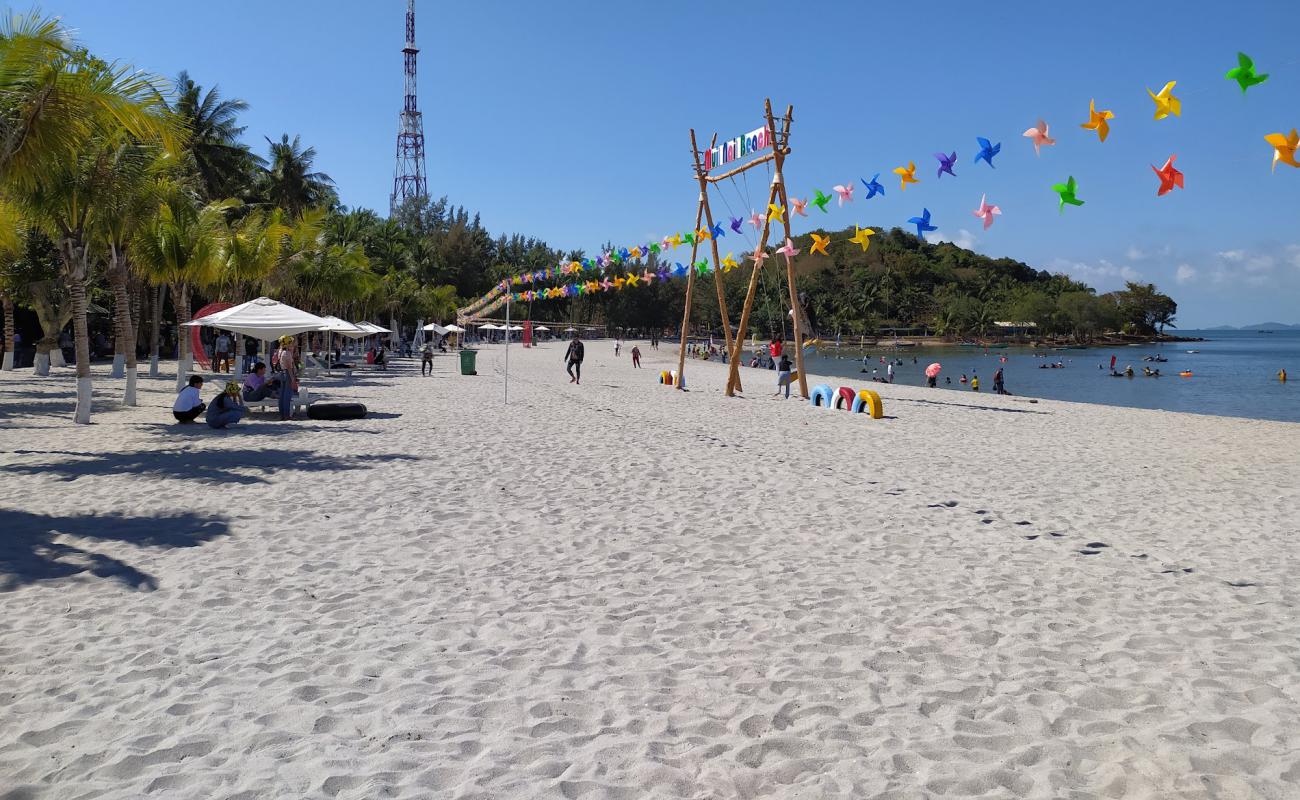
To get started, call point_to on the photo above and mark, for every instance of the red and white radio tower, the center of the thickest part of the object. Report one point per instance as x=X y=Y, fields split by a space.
x=408 y=176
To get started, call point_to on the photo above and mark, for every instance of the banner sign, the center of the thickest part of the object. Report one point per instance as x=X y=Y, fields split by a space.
x=737 y=148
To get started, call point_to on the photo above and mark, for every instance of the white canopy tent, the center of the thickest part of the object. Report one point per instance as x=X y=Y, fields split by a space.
x=264 y=319
x=438 y=329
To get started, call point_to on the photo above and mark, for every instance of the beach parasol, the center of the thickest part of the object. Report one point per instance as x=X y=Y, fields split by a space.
x=932 y=371
x=541 y=328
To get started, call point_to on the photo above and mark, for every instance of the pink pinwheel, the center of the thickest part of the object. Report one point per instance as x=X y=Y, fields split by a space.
x=758 y=257
x=845 y=192
x=986 y=212
x=788 y=249
x=756 y=219
x=799 y=206
x=1040 y=137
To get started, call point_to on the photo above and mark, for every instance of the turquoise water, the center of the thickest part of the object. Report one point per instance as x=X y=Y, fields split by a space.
x=1235 y=373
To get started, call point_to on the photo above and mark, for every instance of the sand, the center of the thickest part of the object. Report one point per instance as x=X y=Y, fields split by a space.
x=615 y=590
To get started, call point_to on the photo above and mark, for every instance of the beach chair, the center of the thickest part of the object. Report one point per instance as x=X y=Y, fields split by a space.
x=304 y=400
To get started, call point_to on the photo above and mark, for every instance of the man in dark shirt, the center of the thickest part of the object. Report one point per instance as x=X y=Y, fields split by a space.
x=573 y=356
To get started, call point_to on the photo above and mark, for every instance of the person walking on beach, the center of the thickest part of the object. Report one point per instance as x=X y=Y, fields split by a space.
x=573 y=357
x=636 y=357
x=618 y=345
x=783 y=376
x=288 y=378
x=889 y=373
x=426 y=361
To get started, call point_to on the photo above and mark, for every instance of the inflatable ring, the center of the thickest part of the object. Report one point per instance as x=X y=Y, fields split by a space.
x=666 y=378
x=869 y=402
x=822 y=396
x=844 y=398
x=1187 y=373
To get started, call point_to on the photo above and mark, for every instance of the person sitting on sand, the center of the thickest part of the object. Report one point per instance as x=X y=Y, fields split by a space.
x=783 y=376
x=226 y=408
x=188 y=403
x=256 y=386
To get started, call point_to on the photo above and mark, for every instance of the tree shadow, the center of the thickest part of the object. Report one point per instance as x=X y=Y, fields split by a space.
x=967 y=405
x=29 y=552
x=226 y=466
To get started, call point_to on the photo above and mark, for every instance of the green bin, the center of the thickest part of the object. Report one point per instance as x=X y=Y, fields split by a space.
x=467 y=362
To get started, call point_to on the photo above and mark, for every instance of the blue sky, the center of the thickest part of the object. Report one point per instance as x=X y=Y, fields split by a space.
x=569 y=121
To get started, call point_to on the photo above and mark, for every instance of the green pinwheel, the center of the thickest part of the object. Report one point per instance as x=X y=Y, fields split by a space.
x=821 y=200
x=1066 y=191
x=1244 y=73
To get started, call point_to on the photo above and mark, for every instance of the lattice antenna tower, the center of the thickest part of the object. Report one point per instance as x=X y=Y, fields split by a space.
x=408 y=175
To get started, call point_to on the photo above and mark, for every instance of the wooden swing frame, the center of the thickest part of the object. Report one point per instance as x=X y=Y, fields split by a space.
x=780 y=148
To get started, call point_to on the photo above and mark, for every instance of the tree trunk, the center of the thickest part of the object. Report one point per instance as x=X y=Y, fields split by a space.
x=155 y=340
x=124 y=344
x=181 y=302
x=73 y=253
x=11 y=357
x=52 y=315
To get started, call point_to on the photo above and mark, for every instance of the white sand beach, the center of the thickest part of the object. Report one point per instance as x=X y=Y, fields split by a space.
x=617 y=590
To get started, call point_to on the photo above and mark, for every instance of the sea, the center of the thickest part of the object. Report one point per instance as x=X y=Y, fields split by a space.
x=1234 y=373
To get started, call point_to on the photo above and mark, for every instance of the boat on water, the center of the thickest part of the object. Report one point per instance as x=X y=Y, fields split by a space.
x=1193 y=352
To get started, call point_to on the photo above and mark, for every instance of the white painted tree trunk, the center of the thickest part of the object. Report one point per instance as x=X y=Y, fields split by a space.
x=128 y=396
x=82 y=415
x=183 y=367
x=57 y=359
x=8 y=362
x=41 y=366
x=119 y=366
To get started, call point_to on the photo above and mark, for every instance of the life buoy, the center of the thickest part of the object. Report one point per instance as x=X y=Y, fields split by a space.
x=844 y=398
x=869 y=402
x=822 y=396
x=666 y=378
x=1187 y=373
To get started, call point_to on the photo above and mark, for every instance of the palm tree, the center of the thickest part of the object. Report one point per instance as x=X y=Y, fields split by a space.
x=290 y=182
x=224 y=166
x=10 y=248
x=59 y=108
x=181 y=246
x=130 y=194
x=250 y=252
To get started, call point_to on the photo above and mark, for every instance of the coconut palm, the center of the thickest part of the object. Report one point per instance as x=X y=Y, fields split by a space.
x=223 y=166
x=181 y=246
x=60 y=108
x=250 y=252
x=10 y=249
x=130 y=194
x=289 y=181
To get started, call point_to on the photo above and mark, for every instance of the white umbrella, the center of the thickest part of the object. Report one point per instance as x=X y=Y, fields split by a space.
x=454 y=328
x=370 y=328
x=541 y=328
x=263 y=319
x=570 y=330
x=516 y=327
x=342 y=327
x=488 y=326
x=438 y=329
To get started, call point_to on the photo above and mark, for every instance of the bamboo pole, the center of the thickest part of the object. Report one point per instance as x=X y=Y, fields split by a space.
x=779 y=152
x=795 y=310
x=708 y=219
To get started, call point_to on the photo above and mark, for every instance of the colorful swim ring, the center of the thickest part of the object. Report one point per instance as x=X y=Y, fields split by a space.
x=822 y=396
x=869 y=402
x=844 y=398
x=1187 y=373
x=666 y=378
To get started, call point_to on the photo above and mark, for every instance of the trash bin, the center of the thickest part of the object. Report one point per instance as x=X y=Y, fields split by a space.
x=467 y=362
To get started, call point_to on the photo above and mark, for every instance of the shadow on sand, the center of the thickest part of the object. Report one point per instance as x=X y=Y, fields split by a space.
x=30 y=554
x=227 y=466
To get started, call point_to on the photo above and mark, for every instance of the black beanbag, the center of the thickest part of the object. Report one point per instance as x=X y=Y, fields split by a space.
x=336 y=411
